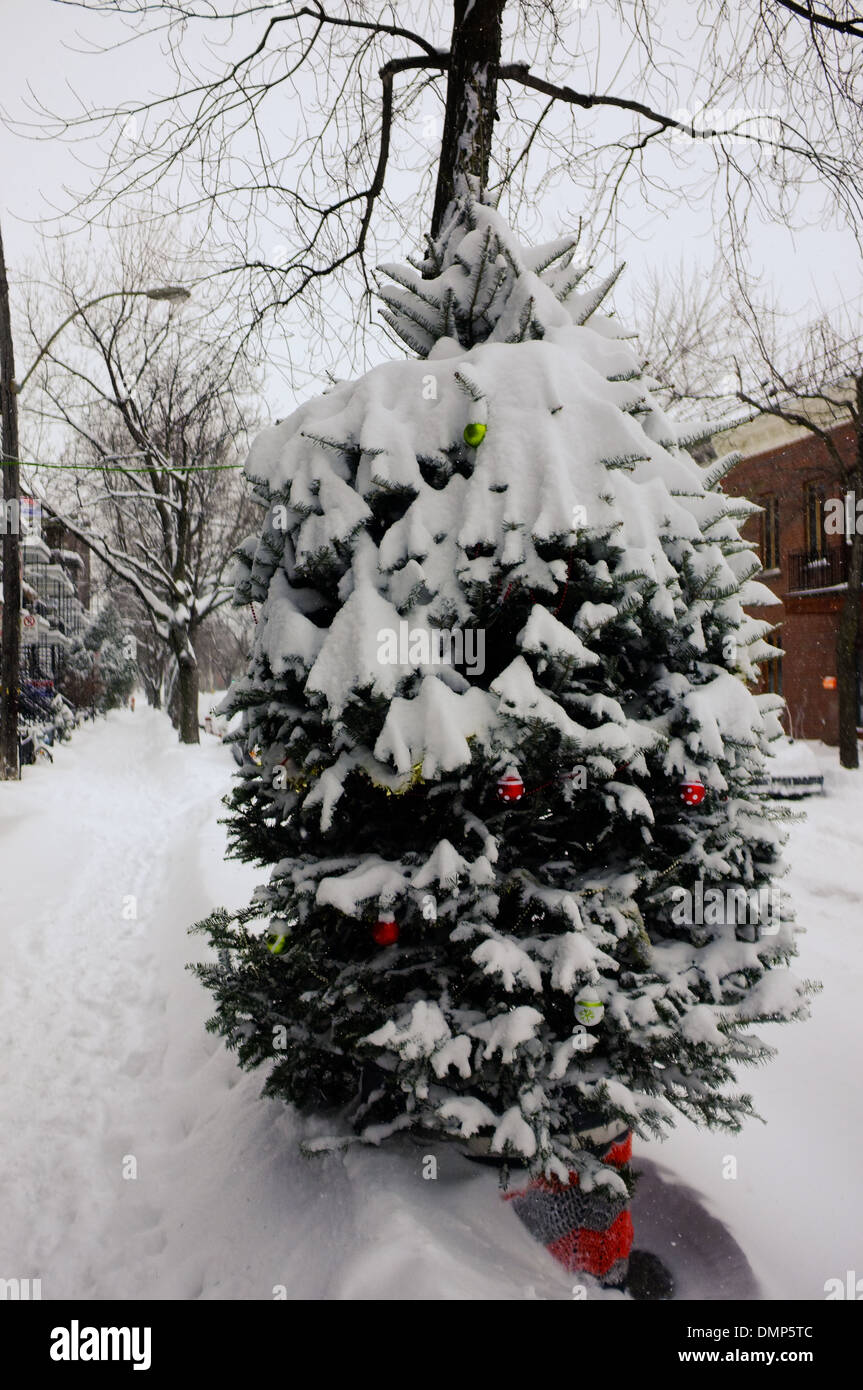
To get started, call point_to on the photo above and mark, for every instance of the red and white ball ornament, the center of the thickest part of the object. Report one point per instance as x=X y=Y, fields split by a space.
x=385 y=931
x=692 y=793
x=510 y=787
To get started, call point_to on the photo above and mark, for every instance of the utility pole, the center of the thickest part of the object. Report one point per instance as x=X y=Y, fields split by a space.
x=10 y=647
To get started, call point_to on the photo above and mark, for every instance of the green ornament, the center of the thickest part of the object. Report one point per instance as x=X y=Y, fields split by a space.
x=276 y=944
x=474 y=434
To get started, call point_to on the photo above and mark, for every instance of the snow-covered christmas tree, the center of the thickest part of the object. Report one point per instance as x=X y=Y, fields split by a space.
x=499 y=725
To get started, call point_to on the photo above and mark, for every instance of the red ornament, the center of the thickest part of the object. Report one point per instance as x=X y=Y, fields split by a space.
x=386 y=931
x=692 y=793
x=510 y=787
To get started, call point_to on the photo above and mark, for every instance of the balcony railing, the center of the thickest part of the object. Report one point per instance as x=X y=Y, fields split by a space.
x=807 y=571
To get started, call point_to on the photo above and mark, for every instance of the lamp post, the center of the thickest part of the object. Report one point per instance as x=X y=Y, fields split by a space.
x=10 y=645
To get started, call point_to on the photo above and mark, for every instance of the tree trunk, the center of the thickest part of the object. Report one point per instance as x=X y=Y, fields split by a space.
x=183 y=701
x=471 y=101
x=848 y=634
x=187 y=695
x=10 y=644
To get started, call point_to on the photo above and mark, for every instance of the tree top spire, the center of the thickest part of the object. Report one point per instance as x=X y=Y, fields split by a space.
x=478 y=283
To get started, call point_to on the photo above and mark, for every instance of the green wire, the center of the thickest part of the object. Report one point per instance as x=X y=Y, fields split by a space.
x=106 y=468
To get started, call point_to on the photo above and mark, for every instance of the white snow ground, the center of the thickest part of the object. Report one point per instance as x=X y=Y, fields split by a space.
x=105 y=1060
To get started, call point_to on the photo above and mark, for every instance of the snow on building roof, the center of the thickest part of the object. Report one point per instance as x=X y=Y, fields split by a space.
x=70 y=557
x=35 y=548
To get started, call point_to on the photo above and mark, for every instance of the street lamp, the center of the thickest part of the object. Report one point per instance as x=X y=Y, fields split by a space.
x=10 y=644
x=173 y=294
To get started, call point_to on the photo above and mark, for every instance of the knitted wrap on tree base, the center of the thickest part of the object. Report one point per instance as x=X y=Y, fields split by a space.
x=586 y=1232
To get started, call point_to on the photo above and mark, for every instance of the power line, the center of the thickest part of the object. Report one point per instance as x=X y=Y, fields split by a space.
x=121 y=468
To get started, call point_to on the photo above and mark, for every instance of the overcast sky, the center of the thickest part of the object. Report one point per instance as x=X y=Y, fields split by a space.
x=44 y=48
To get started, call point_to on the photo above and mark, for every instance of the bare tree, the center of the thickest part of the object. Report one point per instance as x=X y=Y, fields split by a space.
x=155 y=419
x=687 y=334
x=223 y=648
x=303 y=140
x=152 y=655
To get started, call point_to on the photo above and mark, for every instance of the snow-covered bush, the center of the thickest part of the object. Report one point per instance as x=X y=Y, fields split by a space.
x=97 y=673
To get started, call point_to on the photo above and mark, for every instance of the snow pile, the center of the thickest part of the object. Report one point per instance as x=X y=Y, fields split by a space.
x=792 y=770
x=106 y=1059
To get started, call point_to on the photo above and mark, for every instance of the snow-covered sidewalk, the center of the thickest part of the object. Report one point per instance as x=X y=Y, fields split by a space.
x=138 y=1162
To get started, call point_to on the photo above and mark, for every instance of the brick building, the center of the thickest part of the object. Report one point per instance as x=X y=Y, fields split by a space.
x=790 y=474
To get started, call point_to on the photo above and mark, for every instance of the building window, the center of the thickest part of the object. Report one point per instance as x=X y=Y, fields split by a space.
x=773 y=676
x=813 y=511
x=770 y=533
